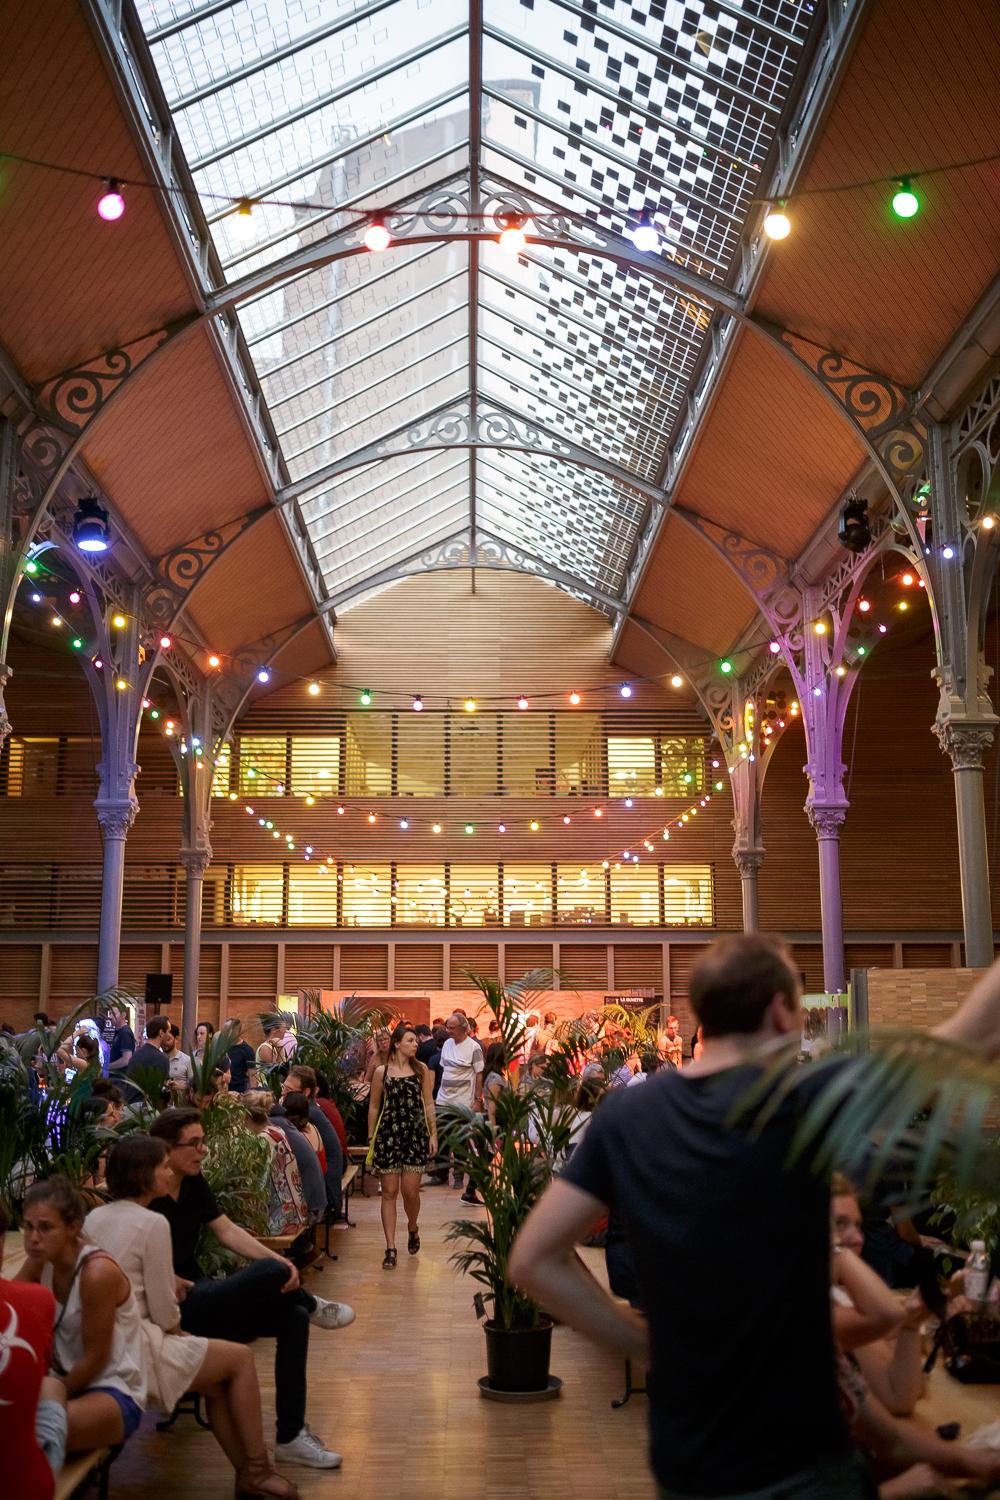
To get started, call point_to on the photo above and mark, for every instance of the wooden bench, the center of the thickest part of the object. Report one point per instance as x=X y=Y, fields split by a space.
x=78 y=1467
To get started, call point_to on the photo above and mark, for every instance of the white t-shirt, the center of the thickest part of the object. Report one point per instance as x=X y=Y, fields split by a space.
x=460 y=1062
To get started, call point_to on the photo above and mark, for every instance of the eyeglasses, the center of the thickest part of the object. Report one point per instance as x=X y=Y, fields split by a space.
x=198 y=1145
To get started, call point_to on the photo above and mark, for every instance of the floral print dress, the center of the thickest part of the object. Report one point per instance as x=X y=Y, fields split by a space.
x=402 y=1139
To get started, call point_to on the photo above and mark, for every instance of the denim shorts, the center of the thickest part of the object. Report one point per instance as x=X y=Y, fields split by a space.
x=50 y=1432
x=131 y=1410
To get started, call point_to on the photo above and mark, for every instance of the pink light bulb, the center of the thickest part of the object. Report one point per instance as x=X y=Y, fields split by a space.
x=112 y=205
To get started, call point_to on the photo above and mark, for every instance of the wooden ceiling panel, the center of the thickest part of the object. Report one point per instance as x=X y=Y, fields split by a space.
x=72 y=285
x=920 y=91
x=174 y=453
x=689 y=590
x=253 y=591
x=773 y=454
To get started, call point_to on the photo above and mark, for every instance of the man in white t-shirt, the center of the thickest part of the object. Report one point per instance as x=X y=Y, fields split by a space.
x=461 y=1080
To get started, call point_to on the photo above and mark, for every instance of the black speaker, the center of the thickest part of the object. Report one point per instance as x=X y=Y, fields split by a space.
x=159 y=989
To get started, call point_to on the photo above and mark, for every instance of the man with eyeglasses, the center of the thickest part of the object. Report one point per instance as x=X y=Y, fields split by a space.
x=265 y=1300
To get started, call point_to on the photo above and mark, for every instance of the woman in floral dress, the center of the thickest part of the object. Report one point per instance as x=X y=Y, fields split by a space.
x=403 y=1135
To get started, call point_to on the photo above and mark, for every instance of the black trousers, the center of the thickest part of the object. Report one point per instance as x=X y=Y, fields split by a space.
x=251 y=1305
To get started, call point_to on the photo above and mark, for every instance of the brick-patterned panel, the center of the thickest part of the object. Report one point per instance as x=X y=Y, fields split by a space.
x=917 y=997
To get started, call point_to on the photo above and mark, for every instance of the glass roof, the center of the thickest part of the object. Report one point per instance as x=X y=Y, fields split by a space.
x=321 y=113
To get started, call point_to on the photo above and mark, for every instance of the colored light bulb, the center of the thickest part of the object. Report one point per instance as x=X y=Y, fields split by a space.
x=905 y=202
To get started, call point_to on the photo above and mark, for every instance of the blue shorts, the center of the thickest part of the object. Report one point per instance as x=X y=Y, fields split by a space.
x=131 y=1410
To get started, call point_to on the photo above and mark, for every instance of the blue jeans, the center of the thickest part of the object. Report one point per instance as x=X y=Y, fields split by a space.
x=251 y=1305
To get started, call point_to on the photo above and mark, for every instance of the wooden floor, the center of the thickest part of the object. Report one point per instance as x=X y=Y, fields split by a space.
x=396 y=1394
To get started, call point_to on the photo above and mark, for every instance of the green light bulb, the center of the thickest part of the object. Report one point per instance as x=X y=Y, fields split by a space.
x=31 y=567
x=366 y=697
x=155 y=714
x=77 y=643
x=905 y=203
x=688 y=777
x=861 y=650
x=725 y=666
x=469 y=828
x=718 y=786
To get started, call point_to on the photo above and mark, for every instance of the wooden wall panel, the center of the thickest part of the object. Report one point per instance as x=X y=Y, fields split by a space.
x=364 y=965
x=253 y=973
x=308 y=966
x=521 y=958
x=683 y=957
x=419 y=965
x=639 y=967
x=809 y=959
x=20 y=978
x=586 y=967
x=917 y=997
x=926 y=955
x=135 y=961
x=867 y=956
x=74 y=976
x=474 y=958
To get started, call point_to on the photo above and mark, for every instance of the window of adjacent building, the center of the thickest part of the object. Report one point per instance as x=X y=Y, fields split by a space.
x=369 y=755
x=262 y=765
x=475 y=896
x=316 y=765
x=255 y=895
x=220 y=776
x=682 y=767
x=687 y=895
x=419 y=896
x=420 y=755
x=635 y=895
x=631 y=766
x=367 y=892
x=472 y=752
x=312 y=895
x=527 y=895
x=580 y=894
x=527 y=769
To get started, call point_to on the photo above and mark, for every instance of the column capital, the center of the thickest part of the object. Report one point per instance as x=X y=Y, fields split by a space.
x=196 y=861
x=748 y=861
x=826 y=821
x=965 y=743
x=116 y=818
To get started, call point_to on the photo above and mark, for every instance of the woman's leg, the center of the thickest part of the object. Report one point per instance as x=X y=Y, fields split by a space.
x=411 y=1198
x=228 y=1380
x=390 y=1191
x=93 y=1420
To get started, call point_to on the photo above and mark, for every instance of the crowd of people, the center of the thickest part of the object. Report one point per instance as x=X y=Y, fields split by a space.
x=792 y=1378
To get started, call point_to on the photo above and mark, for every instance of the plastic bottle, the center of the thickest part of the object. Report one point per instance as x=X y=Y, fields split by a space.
x=977 y=1272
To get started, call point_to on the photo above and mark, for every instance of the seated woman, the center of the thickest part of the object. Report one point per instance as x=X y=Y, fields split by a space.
x=287 y=1212
x=174 y=1362
x=296 y=1107
x=97 y=1344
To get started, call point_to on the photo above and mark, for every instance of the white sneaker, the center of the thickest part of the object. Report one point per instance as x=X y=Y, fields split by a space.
x=331 y=1314
x=307 y=1449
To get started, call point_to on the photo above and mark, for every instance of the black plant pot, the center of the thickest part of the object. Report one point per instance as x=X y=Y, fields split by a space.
x=518 y=1358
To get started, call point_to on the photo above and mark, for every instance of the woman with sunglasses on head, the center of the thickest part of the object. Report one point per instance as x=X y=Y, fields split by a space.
x=96 y=1344
x=403 y=1134
x=175 y=1362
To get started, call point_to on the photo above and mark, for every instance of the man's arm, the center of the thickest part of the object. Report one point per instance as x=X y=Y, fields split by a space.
x=977 y=1022
x=545 y=1265
x=241 y=1242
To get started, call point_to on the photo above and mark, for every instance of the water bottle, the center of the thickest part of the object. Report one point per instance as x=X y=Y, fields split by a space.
x=977 y=1271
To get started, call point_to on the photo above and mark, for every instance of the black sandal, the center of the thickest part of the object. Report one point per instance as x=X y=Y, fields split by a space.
x=413 y=1243
x=389 y=1261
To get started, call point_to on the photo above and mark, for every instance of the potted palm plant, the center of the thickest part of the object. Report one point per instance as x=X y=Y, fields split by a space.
x=509 y=1165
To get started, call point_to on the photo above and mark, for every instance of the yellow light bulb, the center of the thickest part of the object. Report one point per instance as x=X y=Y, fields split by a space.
x=470 y=705
x=121 y=683
x=777 y=226
x=820 y=627
x=119 y=622
x=988 y=523
x=314 y=688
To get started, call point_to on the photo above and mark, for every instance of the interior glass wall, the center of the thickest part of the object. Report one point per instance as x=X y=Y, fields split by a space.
x=312 y=896
x=580 y=893
x=687 y=896
x=256 y=895
x=367 y=891
x=527 y=895
x=635 y=895
x=419 y=896
x=475 y=896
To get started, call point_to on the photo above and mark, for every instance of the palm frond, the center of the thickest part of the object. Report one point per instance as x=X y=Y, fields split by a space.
x=862 y=1100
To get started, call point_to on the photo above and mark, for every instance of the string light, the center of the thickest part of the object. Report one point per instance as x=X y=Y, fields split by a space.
x=882 y=629
x=567 y=820
x=31 y=567
x=501 y=828
x=404 y=823
x=902 y=603
x=418 y=704
x=676 y=681
x=165 y=643
x=263 y=676
x=371 y=817
x=112 y=205
x=820 y=627
x=314 y=689
x=365 y=698
x=77 y=643
x=469 y=828
x=74 y=597
x=213 y=661
x=905 y=202
x=574 y=698
x=947 y=552
x=625 y=690
x=513 y=240
x=864 y=605
x=598 y=812
x=377 y=236
x=470 y=705
x=777 y=225
x=119 y=622
x=907 y=579
x=436 y=828
x=988 y=523
x=36 y=598
x=243 y=219
x=725 y=667
x=644 y=236
x=121 y=684
x=522 y=702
